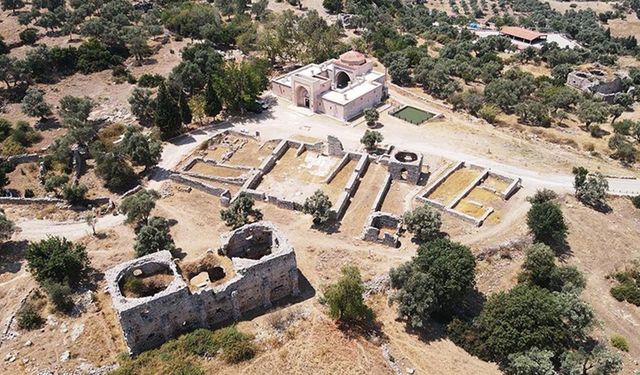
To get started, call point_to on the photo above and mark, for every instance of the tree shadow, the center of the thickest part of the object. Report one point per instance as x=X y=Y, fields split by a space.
x=12 y=256
x=330 y=227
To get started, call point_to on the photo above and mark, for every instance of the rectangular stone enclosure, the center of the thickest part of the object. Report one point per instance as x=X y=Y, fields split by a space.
x=264 y=271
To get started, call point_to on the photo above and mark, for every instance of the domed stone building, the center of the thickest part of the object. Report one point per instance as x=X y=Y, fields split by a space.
x=341 y=88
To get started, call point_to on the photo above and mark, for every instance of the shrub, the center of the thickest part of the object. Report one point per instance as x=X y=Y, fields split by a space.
x=24 y=134
x=93 y=56
x=620 y=343
x=542 y=196
x=74 y=193
x=423 y=222
x=29 y=317
x=345 y=299
x=236 y=346
x=56 y=259
x=150 y=80
x=6 y=227
x=28 y=35
x=60 y=296
x=636 y=201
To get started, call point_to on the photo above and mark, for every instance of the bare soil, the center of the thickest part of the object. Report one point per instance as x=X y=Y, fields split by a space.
x=454 y=185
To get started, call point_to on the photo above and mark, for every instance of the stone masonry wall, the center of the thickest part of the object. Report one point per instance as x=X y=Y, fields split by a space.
x=148 y=322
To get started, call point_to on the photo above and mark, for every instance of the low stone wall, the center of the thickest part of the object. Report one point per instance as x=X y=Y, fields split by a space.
x=483 y=175
x=23 y=158
x=148 y=322
x=439 y=181
x=283 y=203
x=227 y=180
x=344 y=161
x=185 y=180
x=351 y=186
x=22 y=200
x=382 y=193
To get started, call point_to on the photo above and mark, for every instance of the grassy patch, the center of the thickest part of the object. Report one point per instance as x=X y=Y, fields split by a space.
x=182 y=355
x=413 y=115
x=619 y=343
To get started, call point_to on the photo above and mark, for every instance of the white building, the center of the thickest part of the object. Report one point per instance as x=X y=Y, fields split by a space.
x=341 y=88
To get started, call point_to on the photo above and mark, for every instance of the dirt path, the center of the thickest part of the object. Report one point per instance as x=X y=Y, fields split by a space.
x=38 y=229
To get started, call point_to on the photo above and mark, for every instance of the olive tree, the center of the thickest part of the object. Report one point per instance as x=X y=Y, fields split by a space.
x=423 y=222
x=318 y=206
x=345 y=299
x=138 y=206
x=371 y=138
x=434 y=282
x=240 y=211
x=34 y=105
x=154 y=236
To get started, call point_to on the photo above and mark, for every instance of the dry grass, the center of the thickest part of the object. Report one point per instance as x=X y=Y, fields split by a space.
x=454 y=185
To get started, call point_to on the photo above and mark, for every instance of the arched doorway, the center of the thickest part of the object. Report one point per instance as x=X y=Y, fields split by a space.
x=302 y=97
x=342 y=80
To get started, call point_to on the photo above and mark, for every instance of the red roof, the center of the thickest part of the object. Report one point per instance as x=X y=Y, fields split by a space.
x=519 y=32
x=353 y=58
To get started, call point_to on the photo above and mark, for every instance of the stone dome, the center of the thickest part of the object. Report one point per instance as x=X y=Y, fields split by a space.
x=353 y=58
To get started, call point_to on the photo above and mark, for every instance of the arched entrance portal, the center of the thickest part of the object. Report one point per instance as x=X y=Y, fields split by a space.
x=342 y=80
x=302 y=97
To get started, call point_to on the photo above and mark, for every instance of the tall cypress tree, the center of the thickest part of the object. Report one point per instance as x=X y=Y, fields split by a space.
x=212 y=103
x=185 y=111
x=167 y=117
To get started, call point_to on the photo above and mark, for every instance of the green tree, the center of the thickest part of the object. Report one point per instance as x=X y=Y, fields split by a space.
x=34 y=105
x=185 y=111
x=138 y=206
x=153 y=237
x=167 y=117
x=592 y=111
x=598 y=361
x=240 y=211
x=57 y=260
x=75 y=111
x=518 y=320
x=531 y=362
x=541 y=196
x=60 y=296
x=539 y=268
x=142 y=105
x=591 y=189
x=74 y=194
x=114 y=170
x=345 y=299
x=371 y=138
x=332 y=6
x=141 y=149
x=213 y=105
x=12 y=5
x=371 y=116
x=434 y=282
x=622 y=149
x=546 y=222
x=423 y=222
x=197 y=106
x=318 y=206
x=239 y=84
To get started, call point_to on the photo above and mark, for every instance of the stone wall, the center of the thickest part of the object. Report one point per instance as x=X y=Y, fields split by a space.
x=148 y=322
x=379 y=220
x=185 y=180
x=405 y=165
x=352 y=185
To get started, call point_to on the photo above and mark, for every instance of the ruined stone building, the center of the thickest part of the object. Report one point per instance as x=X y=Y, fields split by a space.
x=341 y=88
x=599 y=82
x=263 y=270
